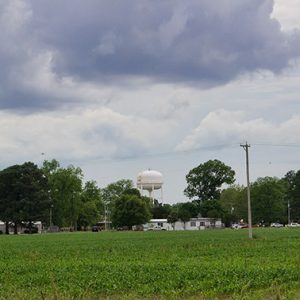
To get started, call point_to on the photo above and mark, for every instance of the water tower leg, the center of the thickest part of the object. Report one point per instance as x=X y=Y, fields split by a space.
x=161 y=195
x=141 y=190
x=153 y=194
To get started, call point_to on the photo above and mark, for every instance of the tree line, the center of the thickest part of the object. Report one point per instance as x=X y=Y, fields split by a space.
x=59 y=195
x=272 y=199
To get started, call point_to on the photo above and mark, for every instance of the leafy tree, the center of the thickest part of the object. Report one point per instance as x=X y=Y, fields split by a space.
x=160 y=210
x=173 y=218
x=91 y=206
x=292 y=181
x=88 y=214
x=65 y=191
x=211 y=209
x=24 y=195
x=92 y=193
x=132 y=191
x=192 y=207
x=205 y=181
x=184 y=215
x=130 y=210
x=115 y=190
x=34 y=194
x=234 y=204
x=267 y=199
x=9 y=199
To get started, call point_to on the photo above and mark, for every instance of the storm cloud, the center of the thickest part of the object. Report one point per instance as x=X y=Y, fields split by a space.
x=51 y=46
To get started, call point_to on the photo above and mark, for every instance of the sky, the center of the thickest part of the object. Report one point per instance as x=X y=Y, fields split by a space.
x=117 y=87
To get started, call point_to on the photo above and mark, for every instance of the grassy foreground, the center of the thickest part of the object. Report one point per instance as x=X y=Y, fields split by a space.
x=220 y=264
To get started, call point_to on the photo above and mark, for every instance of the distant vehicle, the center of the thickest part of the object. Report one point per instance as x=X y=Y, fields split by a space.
x=33 y=230
x=96 y=228
x=239 y=226
x=293 y=225
x=157 y=228
x=276 y=225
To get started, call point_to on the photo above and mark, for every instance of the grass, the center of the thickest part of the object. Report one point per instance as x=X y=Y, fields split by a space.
x=220 y=264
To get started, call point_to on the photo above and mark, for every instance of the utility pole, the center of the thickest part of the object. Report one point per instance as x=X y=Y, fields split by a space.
x=289 y=212
x=105 y=217
x=246 y=146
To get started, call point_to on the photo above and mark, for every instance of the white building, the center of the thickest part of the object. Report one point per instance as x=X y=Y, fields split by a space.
x=2 y=227
x=198 y=224
x=158 y=224
x=37 y=225
x=192 y=224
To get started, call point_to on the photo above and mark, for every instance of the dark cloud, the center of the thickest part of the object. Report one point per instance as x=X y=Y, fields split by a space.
x=204 y=42
x=169 y=40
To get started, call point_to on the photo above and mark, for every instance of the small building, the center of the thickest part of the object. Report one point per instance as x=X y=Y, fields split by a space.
x=2 y=227
x=193 y=224
x=158 y=224
x=36 y=226
x=199 y=224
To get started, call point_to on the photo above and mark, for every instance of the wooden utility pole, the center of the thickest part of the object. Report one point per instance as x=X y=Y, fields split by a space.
x=246 y=146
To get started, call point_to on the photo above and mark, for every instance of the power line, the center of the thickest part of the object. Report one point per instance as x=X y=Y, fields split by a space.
x=276 y=145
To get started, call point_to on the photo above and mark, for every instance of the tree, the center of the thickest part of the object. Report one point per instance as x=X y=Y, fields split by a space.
x=191 y=207
x=65 y=191
x=9 y=197
x=34 y=194
x=91 y=206
x=88 y=214
x=132 y=191
x=292 y=181
x=211 y=209
x=173 y=218
x=92 y=193
x=130 y=210
x=267 y=197
x=160 y=211
x=115 y=190
x=205 y=181
x=234 y=204
x=184 y=215
x=24 y=195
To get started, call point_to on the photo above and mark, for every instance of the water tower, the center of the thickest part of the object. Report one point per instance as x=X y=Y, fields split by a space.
x=150 y=181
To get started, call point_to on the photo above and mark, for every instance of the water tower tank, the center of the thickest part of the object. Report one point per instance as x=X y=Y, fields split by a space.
x=150 y=180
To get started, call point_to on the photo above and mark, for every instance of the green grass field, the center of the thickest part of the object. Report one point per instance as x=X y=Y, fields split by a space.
x=220 y=264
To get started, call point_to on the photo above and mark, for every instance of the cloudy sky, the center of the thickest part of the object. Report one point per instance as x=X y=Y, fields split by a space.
x=116 y=87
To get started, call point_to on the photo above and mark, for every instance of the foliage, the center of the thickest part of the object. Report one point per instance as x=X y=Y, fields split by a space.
x=65 y=190
x=114 y=191
x=130 y=210
x=205 y=181
x=132 y=191
x=292 y=180
x=234 y=204
x=88 y=214
x=184 y=215
x=192 y=207
x=91 y=206
x=173 y=218
x=267 y=199
x=220 y=264
x=211 y=209
x=24 y=194
x=160 y=210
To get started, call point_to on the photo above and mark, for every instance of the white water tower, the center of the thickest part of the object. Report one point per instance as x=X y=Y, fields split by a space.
x=150 y=180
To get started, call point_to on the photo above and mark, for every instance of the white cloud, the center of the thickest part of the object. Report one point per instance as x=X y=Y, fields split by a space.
x=288 y=13
x=78 y=135
x=220 y=129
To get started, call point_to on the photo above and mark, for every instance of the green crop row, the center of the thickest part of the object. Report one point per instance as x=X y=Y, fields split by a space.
x=204 y=264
